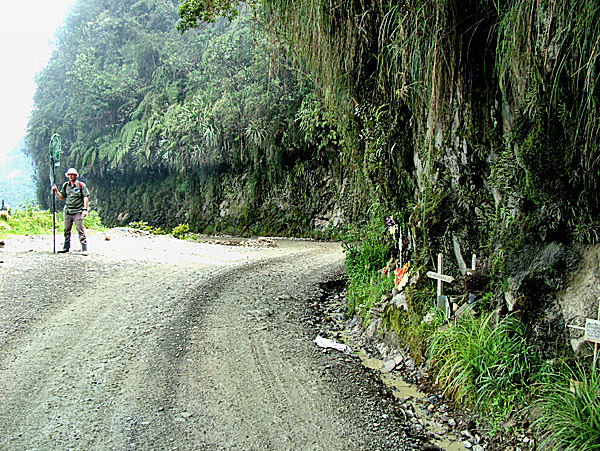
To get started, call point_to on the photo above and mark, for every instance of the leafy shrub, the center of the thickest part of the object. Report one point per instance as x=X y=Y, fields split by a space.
x=362 y=296
x=180 y=231
x=143 y=225
x=93 y=221
x=367 y=250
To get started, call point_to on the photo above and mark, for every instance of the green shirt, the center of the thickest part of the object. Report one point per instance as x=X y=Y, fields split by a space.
x=73 y=196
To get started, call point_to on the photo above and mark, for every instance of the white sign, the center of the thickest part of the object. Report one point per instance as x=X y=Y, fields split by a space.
x=592 y=330
x=592 y=333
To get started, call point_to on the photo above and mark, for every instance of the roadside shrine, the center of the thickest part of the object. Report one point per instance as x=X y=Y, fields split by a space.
x=443 y=302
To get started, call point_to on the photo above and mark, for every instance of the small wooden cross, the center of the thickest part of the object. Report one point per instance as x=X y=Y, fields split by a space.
x=441 y=278
x=473 y=264
x=592 y=333
x=400 y=248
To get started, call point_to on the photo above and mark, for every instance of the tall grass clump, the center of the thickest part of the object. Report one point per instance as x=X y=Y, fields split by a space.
x=570 y=403
x=486 y=364
x=367 y=250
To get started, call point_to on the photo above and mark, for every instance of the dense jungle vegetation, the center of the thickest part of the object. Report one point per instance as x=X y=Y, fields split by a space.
x=209 y=128
x=471 y=126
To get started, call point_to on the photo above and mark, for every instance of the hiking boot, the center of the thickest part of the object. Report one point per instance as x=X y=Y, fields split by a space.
x=65 y=248
x=84 y=250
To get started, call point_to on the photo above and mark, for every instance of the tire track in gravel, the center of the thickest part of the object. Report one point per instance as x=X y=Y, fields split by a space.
x=206 y=351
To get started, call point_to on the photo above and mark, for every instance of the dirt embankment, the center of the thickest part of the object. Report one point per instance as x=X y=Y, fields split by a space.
x=154 y=343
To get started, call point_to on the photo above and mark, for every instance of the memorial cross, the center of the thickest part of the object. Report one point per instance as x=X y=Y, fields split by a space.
x=592 y=333
x=473 y=264
x=441 y=278
x=400 y=247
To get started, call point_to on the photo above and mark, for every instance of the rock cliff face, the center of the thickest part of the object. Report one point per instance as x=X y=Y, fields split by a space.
x=222 y=202
x=479 y=131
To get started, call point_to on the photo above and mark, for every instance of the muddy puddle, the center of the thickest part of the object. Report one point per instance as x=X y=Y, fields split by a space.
x=405 y=393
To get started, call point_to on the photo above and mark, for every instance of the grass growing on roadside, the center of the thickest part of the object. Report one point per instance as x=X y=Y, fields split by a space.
x=485 y=364
x=367 y=250
x=570 y=403
x=362 y=296
x=30 y=220
x=181 y=232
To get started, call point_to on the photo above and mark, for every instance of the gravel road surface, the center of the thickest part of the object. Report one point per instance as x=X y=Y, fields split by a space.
x=155 y=343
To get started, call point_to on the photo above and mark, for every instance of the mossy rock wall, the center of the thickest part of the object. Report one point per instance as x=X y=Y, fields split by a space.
x=215 y=201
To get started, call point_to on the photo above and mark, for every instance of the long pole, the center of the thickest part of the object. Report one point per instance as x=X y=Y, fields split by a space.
x=53 y=214
x=54 y=154
x=596 y=344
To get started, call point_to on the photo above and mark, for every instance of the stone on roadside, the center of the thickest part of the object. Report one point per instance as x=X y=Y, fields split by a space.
x=392 y=363
x=373 y=328
x=389 y=365
x=400 y=301
x=465 y=309
x=428 y=318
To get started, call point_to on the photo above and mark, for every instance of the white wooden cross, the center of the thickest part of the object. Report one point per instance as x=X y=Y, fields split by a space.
x=441 y=278
x=592 y=333
x=400 y=248
x=473 y=264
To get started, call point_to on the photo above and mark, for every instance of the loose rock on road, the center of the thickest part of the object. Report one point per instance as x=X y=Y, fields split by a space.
x=156 y=343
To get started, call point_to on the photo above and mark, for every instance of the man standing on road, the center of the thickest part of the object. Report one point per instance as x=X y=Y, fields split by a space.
x=76 y=208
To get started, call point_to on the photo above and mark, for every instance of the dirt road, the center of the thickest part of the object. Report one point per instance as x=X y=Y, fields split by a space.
x=155 y=343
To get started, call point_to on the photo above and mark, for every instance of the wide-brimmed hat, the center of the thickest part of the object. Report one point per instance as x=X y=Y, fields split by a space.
x=71 y=171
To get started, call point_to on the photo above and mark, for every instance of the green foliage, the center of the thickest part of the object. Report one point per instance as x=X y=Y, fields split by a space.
x=192 y=12
x=180 y=231
x=138 y=103
x=362 y=296
x=570 y=403
x=143 y=225
x=93 y=221
x=28 y=219
x=547 y=64
x=367 y=250
x=485 y=364
x=410 y=327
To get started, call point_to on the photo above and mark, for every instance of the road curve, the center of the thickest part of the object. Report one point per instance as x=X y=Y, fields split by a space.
x=155 y=343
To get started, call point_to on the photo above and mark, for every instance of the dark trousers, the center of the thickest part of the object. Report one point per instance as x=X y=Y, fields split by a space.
x=76 y=219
